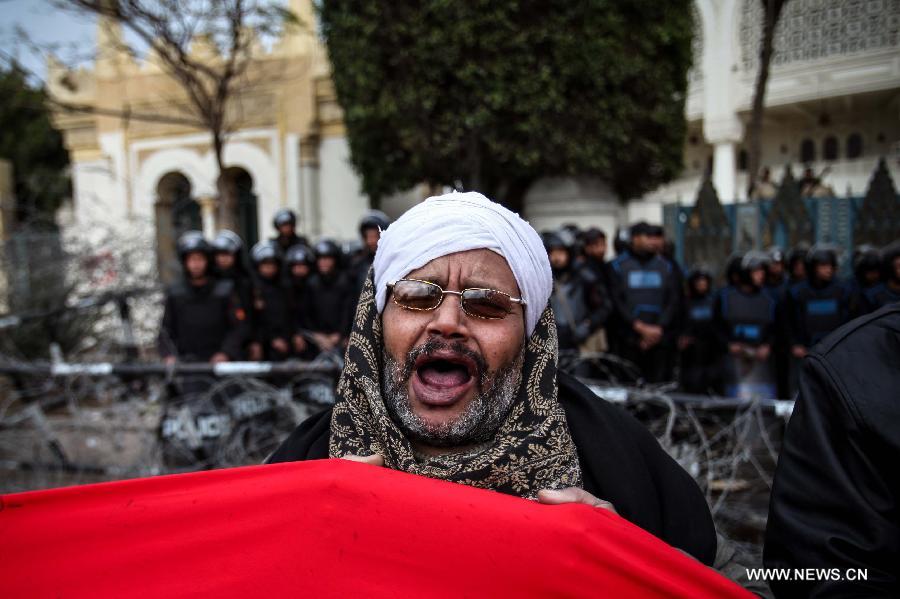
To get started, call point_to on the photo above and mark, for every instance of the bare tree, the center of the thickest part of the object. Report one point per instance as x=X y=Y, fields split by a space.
x=771 y=14
x=209 y=80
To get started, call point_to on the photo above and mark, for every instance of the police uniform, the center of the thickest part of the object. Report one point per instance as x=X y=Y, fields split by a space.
x=747 y=318
x=645 y=288
x=200 y=321
x=815 y=311
x=700 y=359
x=272 y=314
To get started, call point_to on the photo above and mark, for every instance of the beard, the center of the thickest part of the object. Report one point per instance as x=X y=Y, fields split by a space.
x=479 y=422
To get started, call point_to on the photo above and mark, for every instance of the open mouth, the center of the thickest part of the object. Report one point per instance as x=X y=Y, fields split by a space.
x=443 y=377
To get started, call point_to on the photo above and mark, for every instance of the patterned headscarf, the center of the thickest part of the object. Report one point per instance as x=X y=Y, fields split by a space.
x=532 y=450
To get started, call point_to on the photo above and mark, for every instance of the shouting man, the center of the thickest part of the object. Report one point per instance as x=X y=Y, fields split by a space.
x=451 y=373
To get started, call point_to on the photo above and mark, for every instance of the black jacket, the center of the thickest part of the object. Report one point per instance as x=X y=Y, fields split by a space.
x=814 y=312
x=747 y=318
x=332 y=300
x=580 y=304
x=836 y=496
x=273 y=318
x=620 y=460
x=647 y=288
x=201 y=321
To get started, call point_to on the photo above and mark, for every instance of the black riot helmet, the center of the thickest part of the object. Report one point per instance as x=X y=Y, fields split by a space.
x=700 y=271
x=888 y=255
x=820 y=254
x=374 y=219
x=190 y=242
x=622 y=241
x=697 y=272
x=285 y=216
x=733 y=268
x=866 y=258
x=573 y=237
x=553 y=241
x=797 y=254
x=776 y=254
x=751 y=261
x=299 y=254
x=327 y=248
x=351 y=248
x=264 y=250
x=227 y=242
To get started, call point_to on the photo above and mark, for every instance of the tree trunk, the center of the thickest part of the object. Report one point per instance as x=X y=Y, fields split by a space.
x=228 y=195
x=754 y=129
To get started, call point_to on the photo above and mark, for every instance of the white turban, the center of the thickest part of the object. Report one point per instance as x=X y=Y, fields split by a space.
x=458 y=222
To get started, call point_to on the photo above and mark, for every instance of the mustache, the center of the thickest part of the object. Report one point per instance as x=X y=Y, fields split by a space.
x=434 y=344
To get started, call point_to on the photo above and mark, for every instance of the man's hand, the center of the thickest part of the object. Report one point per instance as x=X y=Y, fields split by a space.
x=651 y=334
x=572 y=495
x=685 y=341
x=654 y=333
x=218 y=357
x=798 y=351
x=323 y=341
x=299 y=344
x=254 y=351
x=762 y=352
x=374 y=460
x=170 y=360
x=735 y=348
x=280 y=345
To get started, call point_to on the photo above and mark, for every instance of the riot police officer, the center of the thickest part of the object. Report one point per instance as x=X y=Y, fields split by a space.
x=777 y=285
x=796 y=263
x=745 y=322
x=776 y=277
x=332 y=299
x=733 y=269
x=228 y=263
x=818 y=305
x=867 y=269
x=285 y=223
x=699 y=350
x=888 y=291
x=594 y=251
x=646 y=298
x=299 y=262
x=272 y=316
x=370 y=227
x=579 y=303
x=202 y=315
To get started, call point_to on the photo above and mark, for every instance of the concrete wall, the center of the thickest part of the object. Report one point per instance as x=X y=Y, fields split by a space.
x=342 y=202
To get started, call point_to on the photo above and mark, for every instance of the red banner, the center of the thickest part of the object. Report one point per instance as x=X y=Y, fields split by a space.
x=328 y=528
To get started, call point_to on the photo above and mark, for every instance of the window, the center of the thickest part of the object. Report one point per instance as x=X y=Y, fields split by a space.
x=830 y=148
x=807 y=151
x=854 y=146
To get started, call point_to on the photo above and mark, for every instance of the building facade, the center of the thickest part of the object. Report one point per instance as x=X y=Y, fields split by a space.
x=833 y=105
x=287 y=147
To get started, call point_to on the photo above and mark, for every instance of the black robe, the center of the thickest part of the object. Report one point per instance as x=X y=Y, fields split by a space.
x=620 y=461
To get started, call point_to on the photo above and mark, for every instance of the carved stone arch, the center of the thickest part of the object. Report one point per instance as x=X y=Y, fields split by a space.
x=176 y=212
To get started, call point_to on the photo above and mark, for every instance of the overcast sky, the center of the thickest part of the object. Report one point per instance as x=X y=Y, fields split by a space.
x=72 y=36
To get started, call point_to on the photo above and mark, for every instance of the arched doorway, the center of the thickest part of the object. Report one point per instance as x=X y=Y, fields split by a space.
x=176 y=212
x=246 y=217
